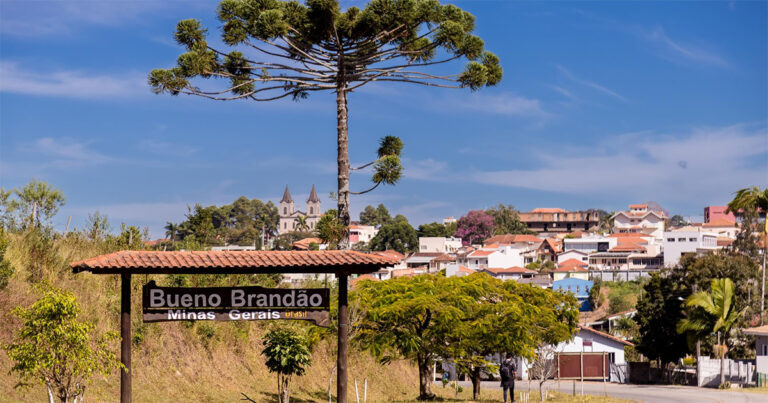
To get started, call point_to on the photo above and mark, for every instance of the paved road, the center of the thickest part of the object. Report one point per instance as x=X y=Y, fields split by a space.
x=643 y=393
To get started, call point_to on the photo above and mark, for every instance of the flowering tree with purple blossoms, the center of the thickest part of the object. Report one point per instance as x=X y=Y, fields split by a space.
x=475 y=226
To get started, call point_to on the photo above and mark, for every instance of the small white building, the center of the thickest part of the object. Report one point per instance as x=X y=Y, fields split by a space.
x=761 y=347
x=504 y=256
x=639 y=220
x=361 y=233
x=678 y=242
x=510 y=273
x=573 y=254
x=590 y=243
x=721 y=227
x=455 y=269
x=439 y=244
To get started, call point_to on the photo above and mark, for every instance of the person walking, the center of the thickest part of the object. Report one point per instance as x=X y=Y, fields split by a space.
x=508 y=372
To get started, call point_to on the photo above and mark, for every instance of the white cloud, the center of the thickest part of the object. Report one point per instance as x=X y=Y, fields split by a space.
x=504 y=104
x=166 y=148
x=590 y=84
x=70 y=84
x=701 y=165
x=679 y=49
x=65 y=152
x=61 y=17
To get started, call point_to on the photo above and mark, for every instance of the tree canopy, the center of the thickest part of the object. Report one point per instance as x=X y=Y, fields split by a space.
x=288 y=49
x=659 y=309
x=474 y=227
x=399 y=235
x=375 y=216
x=506 y=220
x=436 y=229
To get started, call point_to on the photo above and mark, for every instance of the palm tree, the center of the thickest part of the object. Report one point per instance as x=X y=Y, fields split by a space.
x=720 y=315
x=301 y=223
x=171 y=230
x=749 y=198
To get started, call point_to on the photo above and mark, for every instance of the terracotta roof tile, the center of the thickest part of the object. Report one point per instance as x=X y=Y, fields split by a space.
x=719 y=222
x=240 y=261
x=510 y=239
x=391 y=254
x=572 y=262
x=480 y=253
x=570 y=269
x=444 y=258
x=606 y=335
x=548 y=210
x=513 y=270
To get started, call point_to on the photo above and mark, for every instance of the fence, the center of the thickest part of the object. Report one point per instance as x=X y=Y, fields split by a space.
x=742 y=372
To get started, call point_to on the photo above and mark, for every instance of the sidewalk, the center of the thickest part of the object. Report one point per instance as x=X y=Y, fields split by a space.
x=641 y=393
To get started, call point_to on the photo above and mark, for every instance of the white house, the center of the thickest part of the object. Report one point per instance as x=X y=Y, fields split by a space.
x=589 y=340
x=439 y=244
x=678 y=242
x=761 y=347
x=455 y=269
x=505 y=256
x=721 y=227
x=639 y=220
x=510 y=273
x=590 y=243
x=361 y=233
x=573 y=254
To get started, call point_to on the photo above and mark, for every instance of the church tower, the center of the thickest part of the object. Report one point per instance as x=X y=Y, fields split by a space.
x=313 y=204
x=286 y=212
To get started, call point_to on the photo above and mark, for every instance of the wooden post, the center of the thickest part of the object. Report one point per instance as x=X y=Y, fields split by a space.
x=125 y=336
x=341 y=356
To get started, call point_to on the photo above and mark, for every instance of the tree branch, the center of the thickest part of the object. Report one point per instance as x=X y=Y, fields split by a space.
x=366 y=191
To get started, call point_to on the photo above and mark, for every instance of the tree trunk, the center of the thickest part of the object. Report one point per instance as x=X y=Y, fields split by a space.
x=285 y=394
x=342 y=158
x=50 y=394
x=330 y=382
x=475 y=383
x=425 y=379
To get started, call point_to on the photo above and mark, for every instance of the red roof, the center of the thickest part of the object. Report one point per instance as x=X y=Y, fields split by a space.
x=719 y=222
x=572 y=262
x=303 y=244
x=723 y=241
x=192 y=262
x=548 y=210
x=362 y=277
x=628 y=235
x=638 y=206
x=464 y=269
x=553 y=244
x=444 y=258
x=478 y=253
x=510 y=239
x=390 y=254
x=570 y=269
x=603 y=334
x=513 y=270
x=627 y=247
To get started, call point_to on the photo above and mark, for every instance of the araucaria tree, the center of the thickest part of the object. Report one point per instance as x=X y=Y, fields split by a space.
x=287 y=49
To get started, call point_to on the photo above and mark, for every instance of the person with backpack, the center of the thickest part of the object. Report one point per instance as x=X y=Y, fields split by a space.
x=508 y=373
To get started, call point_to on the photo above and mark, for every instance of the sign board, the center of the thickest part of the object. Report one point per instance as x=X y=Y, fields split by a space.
x=163 y=304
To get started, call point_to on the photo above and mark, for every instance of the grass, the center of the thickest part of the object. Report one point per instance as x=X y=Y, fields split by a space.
x=447 y=394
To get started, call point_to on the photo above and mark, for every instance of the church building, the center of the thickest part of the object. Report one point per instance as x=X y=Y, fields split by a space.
x=289 y=216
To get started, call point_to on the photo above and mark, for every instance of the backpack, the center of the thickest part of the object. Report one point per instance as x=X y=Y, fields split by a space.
x=505 y=371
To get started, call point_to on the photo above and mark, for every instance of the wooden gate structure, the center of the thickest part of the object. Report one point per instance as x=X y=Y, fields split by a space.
x=127 y=263
x=583 y=366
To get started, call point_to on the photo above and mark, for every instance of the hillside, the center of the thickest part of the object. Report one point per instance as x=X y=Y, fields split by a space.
x=203 y=361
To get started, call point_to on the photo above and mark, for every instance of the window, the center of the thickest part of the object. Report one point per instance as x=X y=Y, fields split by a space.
x=311 y=210
x=680 y=239
x=285 y=210
x=692 y=239
x=670 y=239
x=423 y=247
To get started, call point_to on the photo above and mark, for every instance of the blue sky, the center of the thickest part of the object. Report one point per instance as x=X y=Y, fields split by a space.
x=603 y=104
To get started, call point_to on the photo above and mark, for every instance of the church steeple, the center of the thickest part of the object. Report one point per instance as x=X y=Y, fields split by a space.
x=312 y=195
x=313 y=204
x=287 y=195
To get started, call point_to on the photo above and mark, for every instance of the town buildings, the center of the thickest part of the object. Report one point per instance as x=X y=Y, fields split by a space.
x=677 y=243
x=557 y=220
x=361 y=233
x=712 y=213
x=639 y=220
x=439 y=244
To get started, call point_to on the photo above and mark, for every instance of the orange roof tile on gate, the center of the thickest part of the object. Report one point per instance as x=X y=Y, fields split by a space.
x=240 y=261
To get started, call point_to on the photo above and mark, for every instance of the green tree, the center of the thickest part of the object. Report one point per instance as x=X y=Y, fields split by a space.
x=676 y=221
x=410 y=317
x=171 y=230
x=287 y=354
x=506 y=220
x=749 y=198
x=301 y=223
x=6 y=269
x=299 y=49
x=38 y=202
x=435 y=229
x=659 y=309
x=97 y=226
x=8 y=208
x=721 y=315
x=55 y=348
x=399 y=236
x=505 y=316
x=329 y=228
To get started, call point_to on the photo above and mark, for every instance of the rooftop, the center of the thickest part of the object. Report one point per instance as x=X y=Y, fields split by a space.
x=241 y=262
